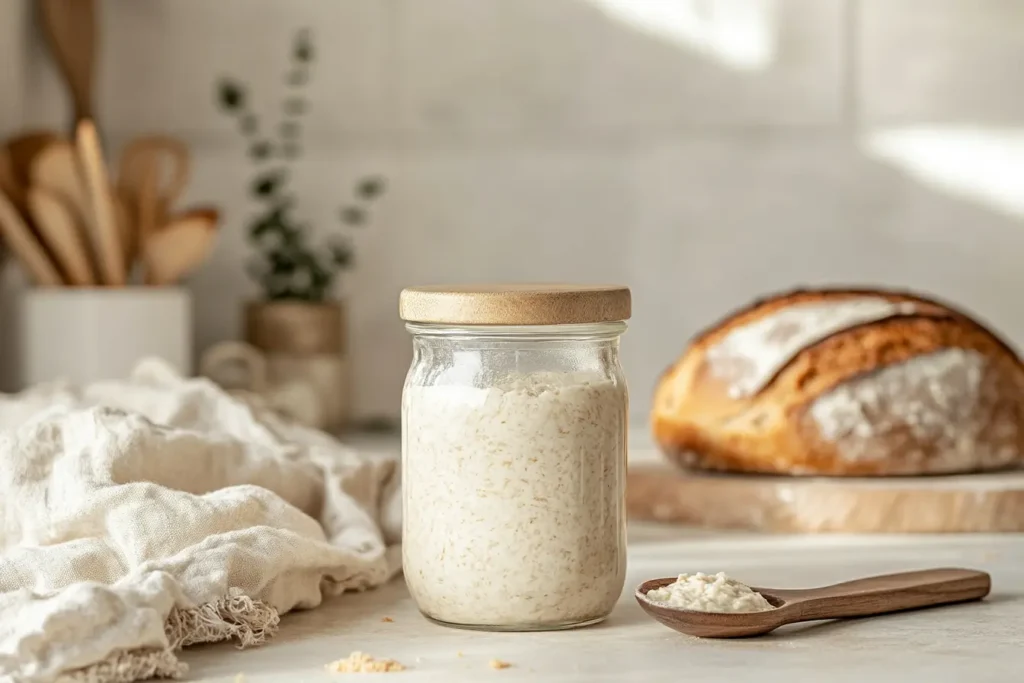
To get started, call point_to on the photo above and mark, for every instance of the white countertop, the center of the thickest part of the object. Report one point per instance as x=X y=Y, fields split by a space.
x=971 y=643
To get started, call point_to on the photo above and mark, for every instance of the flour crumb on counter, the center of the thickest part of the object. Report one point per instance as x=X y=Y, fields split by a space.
x=459 y=653
x=498 y=664
x=709 y=593
x=239 y=678
x=387 y=620
x=362 y=663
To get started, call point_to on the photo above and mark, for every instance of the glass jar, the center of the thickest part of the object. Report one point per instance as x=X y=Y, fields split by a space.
x=514 y=420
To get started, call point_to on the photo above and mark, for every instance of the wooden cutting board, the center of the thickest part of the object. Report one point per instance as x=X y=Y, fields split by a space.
x=940 y=504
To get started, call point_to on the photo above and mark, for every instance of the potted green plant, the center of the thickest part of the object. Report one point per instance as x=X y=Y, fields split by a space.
x=299 y=316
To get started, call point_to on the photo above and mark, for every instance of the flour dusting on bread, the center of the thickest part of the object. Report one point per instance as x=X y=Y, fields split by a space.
x=844 y=383
x=938 y=400
x=749 y=356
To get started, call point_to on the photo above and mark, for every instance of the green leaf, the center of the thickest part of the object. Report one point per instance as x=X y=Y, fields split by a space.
x=260 y=151
x=317 y=294
x=249 y=124
x=303 y=49
x=370 y=188
x=282 y=263
x=268 y=183
x=290 y=129
x=231 y=94
x=260 y=228
x=341 y=252
x=257 y=268
x=295 y=106
x=279 y=288
x=353 y=215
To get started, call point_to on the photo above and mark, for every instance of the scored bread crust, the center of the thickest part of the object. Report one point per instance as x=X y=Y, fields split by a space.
x=787 y=426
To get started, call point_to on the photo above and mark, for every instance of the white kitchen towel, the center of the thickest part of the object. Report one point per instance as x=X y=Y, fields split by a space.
x=143 y=515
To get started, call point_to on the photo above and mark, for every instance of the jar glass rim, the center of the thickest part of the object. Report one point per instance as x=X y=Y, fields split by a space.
x=599 y=330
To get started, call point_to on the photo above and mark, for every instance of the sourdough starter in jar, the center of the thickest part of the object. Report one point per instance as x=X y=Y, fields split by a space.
x=516 y=492
x=514 y=454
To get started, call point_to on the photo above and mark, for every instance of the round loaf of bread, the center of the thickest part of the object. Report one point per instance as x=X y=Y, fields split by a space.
x=844 y=382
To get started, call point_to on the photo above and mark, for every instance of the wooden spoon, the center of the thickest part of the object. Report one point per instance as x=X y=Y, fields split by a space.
x=147 y=206
x=23 y=243
x=179 y=248
x=103 y=219
x=9 y=184
x=24 y=148
x=56 y=167
x=156 y=164
x=127 y=229
x=70 y=30
x=21 y=153
x=860 y=598
x=62 y=234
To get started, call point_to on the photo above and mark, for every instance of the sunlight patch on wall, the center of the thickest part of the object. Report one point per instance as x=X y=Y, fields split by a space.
x=984 y=165
x=740 y=34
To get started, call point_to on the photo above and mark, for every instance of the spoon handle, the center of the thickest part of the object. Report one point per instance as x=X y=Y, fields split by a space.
x=888 y=593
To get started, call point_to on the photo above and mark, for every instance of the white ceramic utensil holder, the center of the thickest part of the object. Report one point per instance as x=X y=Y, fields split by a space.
x=83 y=335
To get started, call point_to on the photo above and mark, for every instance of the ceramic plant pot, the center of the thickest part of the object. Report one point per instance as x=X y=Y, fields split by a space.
x=295 y=356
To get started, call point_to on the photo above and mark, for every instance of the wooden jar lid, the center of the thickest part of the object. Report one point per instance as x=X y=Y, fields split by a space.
x=515 y=304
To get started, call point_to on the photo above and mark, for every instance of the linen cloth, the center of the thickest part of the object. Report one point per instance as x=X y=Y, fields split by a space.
x=142 y=515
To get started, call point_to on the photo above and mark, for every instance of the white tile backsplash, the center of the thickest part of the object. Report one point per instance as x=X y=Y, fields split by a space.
x=553 y=68
x=448 y=216
x=160 y=60
x=702 y=151
x=721 y=220
x=941 y=60
x=14 y=25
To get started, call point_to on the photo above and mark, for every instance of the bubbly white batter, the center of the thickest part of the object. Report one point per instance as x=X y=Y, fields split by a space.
x=514 y=499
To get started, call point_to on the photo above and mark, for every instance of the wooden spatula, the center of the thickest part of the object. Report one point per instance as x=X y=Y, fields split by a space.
x=56 y=167
x=9 y=184
x=177 y=249
x=57 y=170
x=70 y=30
x=162 y=162
x=62 y=234
x=152 y=176
x=127 y=228
x=26 y=247
x=21 y=152
x=103 y=219
x=148 y=213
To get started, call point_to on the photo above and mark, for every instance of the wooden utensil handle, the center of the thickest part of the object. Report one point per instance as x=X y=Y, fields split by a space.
x=889 y=593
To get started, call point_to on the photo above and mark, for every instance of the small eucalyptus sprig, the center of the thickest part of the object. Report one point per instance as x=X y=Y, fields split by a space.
x=287 y=266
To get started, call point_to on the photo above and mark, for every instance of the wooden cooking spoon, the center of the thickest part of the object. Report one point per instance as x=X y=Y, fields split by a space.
x=9 y=184
x=158 y=164
x=56 y=167
x=60 y=231
x=70 y=30
x=104 y=230
x=179 y=248
x=23 y=243
x=860 y=598
x=20 y=154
